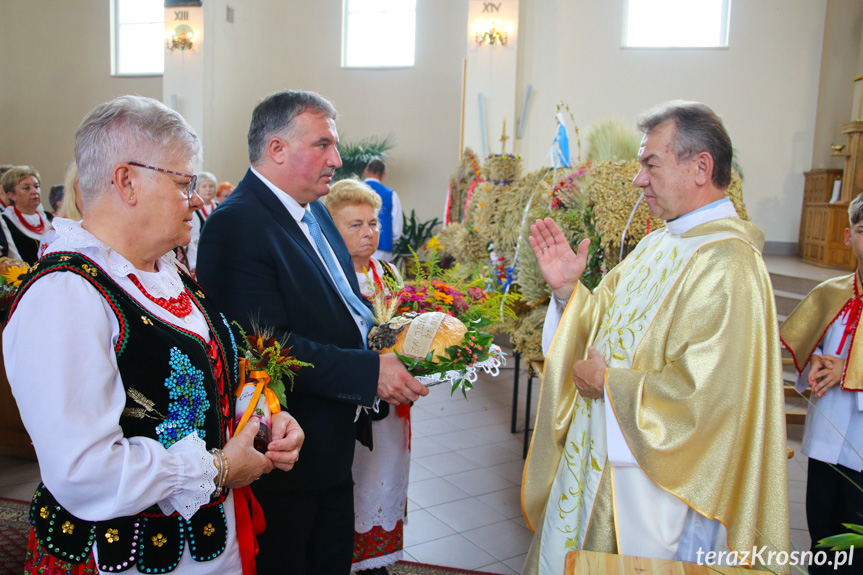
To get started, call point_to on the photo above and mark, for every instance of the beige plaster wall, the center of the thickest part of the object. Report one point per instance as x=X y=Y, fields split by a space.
x=839 y=64
x=765 y=85
x=55 y=66
x=274 y=45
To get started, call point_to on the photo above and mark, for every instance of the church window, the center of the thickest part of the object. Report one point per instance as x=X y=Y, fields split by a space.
x=137 y=37
x=676 y=23
x=378 y=33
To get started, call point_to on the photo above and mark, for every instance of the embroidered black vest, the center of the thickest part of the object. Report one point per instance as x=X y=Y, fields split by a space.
x=27 y=247
x=175 y=383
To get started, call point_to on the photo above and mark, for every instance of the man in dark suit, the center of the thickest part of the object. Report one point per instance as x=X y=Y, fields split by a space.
x=271 y=252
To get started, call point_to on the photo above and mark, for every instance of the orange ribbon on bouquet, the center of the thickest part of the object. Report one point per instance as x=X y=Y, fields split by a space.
x=249 y=515
x=261 y=387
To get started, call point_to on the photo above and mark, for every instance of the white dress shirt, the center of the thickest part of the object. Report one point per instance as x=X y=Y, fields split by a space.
x=297 y=212
x=834 y=422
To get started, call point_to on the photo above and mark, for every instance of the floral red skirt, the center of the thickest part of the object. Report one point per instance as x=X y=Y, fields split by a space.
x=39 y=562
x=377 y=544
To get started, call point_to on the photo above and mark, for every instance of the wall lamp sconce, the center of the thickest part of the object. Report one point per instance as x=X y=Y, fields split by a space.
x=181 y=39
x=492 y=32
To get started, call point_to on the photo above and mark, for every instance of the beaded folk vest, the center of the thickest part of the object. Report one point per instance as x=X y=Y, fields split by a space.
x=175 y=384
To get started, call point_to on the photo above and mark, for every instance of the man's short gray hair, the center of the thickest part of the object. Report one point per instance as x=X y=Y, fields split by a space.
x=697 y=129
x=273 y=117
x=129 y=129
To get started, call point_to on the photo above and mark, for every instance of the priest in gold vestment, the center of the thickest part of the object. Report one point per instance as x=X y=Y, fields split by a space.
x=660 y=430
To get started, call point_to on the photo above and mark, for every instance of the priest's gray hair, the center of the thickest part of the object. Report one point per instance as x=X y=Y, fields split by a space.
x=855 y=210
x=274 y=115
x=697 y=129
x=130 y=129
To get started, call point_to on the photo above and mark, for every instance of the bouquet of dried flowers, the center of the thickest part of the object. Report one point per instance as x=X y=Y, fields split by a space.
x=264 y=352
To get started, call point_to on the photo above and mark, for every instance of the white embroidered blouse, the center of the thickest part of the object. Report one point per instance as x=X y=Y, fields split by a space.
x=70 y=395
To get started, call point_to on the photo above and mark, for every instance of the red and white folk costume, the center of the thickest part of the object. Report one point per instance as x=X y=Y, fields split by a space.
x=381 y=476
x=96 y=471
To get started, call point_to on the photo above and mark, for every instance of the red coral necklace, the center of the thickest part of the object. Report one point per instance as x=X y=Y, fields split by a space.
x=35 y=229
x=180 y=306
x=379 y=284
x=851 y=311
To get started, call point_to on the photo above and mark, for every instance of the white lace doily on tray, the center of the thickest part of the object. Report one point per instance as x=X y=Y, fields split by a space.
x=496 y=358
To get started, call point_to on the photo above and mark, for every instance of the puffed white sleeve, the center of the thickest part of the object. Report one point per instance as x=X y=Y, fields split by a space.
x=553 y=316
x=59 y=352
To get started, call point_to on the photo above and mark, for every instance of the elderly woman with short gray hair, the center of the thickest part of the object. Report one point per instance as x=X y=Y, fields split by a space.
x=127 y=390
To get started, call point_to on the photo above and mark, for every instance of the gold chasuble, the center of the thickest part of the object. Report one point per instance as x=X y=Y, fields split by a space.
x=805 y=327
x=688 y=327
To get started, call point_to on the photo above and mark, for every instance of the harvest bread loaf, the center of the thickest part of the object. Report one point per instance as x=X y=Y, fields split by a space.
x=416 y=334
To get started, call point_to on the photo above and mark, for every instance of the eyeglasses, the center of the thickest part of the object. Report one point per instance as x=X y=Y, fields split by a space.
x=189 y=189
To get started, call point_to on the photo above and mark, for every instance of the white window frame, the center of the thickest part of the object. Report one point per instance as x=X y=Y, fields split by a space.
x=724 y=35
x=344 y=52
x=115 y=45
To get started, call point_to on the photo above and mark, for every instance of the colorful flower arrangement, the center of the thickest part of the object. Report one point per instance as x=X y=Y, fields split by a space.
x=460 y=186
x=451 y=292
x=564 y=192
x=438 y=290
x=12 y=272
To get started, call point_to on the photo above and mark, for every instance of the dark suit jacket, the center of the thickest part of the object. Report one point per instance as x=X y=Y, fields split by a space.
x=255 y=261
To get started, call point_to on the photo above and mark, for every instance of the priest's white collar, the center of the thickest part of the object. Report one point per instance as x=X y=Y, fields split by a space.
x=715 y=211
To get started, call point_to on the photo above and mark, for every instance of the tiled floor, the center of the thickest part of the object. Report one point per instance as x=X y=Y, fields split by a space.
x=464 y=506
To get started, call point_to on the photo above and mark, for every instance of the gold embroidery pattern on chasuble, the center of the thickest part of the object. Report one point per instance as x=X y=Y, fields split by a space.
x=578 y=459
x=634 y=304
x=649 y=275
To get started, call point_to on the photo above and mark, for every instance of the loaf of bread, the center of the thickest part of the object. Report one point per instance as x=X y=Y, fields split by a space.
x=415 y=335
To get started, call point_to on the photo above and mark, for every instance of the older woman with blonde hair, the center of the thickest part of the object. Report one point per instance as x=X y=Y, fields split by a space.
x=354 y=207
x=131 y=412
x=25 y=218
x=380 y=476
